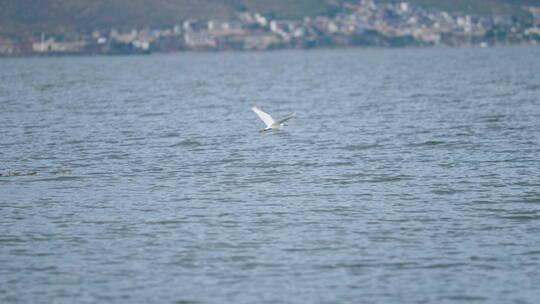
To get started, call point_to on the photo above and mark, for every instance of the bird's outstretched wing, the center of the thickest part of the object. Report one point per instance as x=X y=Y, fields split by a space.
x=284 y=119
x=268 y=120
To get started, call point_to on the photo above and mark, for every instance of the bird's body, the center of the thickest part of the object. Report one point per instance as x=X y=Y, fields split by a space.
x=271 y=124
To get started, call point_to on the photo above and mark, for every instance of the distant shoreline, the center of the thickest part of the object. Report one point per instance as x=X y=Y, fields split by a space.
x=82 y=54
x=365 y=24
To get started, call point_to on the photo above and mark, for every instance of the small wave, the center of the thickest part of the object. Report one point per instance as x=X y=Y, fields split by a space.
x=446 y=191
x=60 y=179
x=165 y=222
x=61 y=172
x=443 y=265
x=183 y=199
x=492 y=118
x=45 y=87
x=339 y=163
x=187 y=143
x=466 y=298
x=305 y=164
x=529 y=200
x=418 y=95
x=521 y=217
x=386 y=179
x=427 y=143
x=360 y=178
x=118 y=156
x=532 y=87
x=12 y=174
x=74 y=142
x=359 y=147
x=170 y=134
x=354 y=175
x=133 y=100
x=187 y=302
x=483 y=259
x=231 y=160
x=153 y=114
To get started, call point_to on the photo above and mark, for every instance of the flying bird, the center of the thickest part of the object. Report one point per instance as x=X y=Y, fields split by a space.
x=269 y=121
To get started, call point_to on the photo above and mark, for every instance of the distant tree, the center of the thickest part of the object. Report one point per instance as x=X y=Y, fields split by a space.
x=402 y=41
x=368 y=38
x=240 y=7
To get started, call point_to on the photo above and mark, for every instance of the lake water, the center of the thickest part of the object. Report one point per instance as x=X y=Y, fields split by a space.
x=409 y=176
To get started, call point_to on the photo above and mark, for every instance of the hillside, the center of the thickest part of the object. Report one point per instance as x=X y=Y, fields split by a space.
x=479 y=7
x=30 y=17
x=23 y=18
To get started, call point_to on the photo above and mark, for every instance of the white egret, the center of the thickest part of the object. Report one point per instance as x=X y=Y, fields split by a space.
x=269 y=121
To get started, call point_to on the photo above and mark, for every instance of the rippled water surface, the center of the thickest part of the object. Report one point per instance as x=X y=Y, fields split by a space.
x=409 y=176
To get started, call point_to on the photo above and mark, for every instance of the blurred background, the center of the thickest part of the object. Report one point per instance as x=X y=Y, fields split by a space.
x=144 y=26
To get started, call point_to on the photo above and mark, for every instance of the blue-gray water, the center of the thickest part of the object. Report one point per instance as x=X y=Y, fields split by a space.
x=409 y=176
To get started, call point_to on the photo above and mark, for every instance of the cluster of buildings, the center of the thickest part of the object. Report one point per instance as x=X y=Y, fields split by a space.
x=363 y=23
